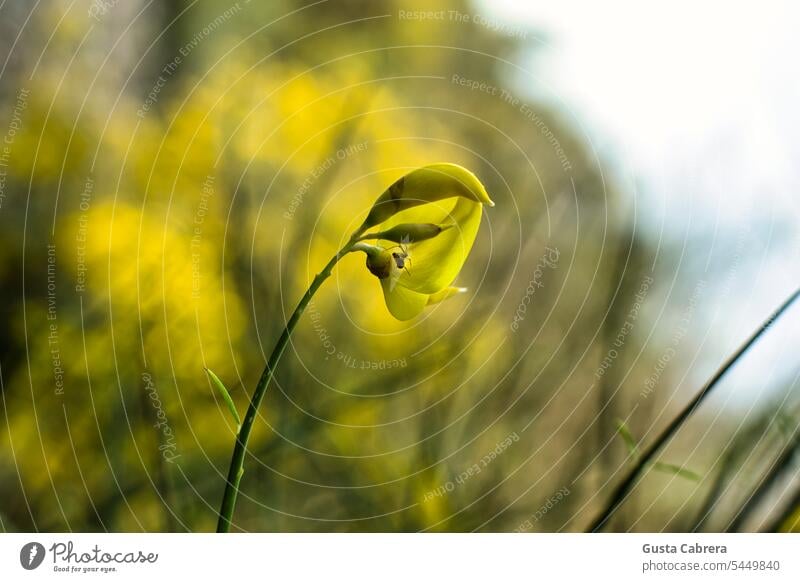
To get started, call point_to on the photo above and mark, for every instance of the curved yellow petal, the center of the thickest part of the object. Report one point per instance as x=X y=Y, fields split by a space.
x=403 y=304
x=446 y=293
x=434 y=263
x=424 y=185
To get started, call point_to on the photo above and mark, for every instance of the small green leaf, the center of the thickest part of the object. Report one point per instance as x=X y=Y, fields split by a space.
x=627 y=436
x=225 y=396
x=676 y=470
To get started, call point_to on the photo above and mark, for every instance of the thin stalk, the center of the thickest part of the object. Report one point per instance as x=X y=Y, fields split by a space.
x=782 y=521
x=782 y=464
x=731 y=459
x=236 y=469
x=622 y=490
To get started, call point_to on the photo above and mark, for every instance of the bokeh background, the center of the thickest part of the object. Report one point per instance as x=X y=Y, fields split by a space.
x=172 y=175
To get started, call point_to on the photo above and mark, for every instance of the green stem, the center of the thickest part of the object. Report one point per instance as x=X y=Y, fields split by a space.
x=236 y=469
x=622 y=490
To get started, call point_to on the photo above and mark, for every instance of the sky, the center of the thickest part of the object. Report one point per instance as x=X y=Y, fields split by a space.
x=693 y=106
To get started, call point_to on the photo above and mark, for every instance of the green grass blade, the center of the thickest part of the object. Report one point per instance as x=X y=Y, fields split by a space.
x=225 y=396
x=622 y=490
x=676 y=470
x=630 y=441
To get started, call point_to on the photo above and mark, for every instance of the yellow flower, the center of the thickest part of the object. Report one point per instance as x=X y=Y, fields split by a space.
x=429 y=219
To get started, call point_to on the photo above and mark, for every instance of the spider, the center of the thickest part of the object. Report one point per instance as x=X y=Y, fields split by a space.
x=401 y=258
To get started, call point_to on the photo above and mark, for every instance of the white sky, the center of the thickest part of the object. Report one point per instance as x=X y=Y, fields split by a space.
x=698 y=104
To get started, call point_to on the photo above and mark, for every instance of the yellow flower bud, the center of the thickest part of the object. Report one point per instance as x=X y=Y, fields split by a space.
x=380 y=264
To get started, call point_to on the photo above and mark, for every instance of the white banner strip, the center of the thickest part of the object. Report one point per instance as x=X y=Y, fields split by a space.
x=401 y=557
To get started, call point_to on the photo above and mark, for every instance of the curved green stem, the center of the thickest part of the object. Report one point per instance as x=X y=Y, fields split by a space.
x=622 y=490
x=236 y=469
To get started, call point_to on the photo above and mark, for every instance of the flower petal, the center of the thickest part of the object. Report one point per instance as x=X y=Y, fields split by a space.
x=424 y=185
x=434 y=263
x=403 y=304
x=446 y=293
